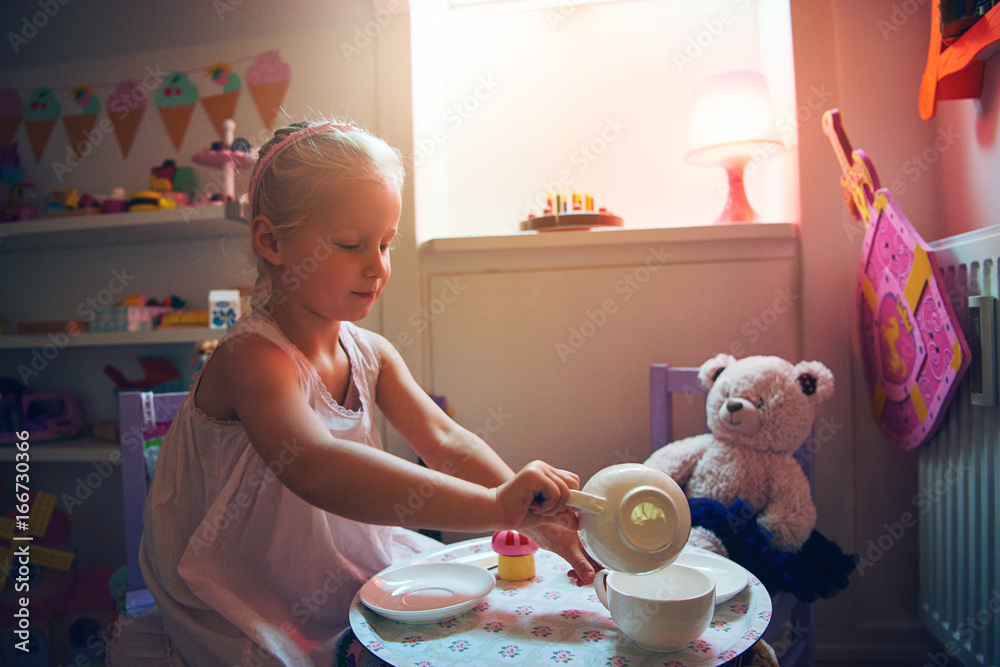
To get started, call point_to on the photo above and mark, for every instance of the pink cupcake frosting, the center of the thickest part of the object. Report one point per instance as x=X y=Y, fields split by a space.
x=268 y=67
x=128 y=94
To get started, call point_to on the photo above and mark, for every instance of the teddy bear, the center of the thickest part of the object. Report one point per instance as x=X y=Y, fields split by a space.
x=760 y=409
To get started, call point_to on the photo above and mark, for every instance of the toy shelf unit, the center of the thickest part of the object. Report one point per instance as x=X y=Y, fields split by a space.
x=52 y=263
x=955 y=70
x=195 y=222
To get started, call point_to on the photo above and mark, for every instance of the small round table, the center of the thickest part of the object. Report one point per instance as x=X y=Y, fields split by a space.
x=548 y=620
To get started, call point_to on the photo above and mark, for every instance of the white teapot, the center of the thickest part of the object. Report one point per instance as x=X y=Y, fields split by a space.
x=633 y=518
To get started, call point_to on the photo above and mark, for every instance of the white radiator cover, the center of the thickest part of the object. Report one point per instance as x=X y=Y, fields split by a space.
x=958 y=499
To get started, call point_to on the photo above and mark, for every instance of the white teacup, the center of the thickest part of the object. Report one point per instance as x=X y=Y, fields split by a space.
x=662 y=611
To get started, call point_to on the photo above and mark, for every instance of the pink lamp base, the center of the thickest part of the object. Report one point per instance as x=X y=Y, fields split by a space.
x=738 y=209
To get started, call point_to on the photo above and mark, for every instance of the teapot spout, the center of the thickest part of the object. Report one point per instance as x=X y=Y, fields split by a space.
x=586 y=502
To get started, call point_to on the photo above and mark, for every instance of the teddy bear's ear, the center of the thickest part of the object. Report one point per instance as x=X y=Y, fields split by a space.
x=815 y=379
x=709 y=371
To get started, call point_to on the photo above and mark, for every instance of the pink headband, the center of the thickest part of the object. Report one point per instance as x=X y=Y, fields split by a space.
x=298 y=135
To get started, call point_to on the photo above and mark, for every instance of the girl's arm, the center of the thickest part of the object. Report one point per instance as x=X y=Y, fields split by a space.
x=357 y=481
x=446 y=446
x=434 y=436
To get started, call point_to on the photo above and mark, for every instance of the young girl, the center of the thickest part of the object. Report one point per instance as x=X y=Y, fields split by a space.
x=273 y=499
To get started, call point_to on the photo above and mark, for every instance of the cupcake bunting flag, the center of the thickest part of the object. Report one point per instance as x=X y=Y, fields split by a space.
x=79 y=125
x=41 y=112
x=268 y=78
x=126 y=106
x=222 y=105
x=11 y=109
x=175 y=100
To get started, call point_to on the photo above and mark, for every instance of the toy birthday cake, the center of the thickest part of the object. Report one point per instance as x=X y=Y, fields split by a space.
x=564 y=213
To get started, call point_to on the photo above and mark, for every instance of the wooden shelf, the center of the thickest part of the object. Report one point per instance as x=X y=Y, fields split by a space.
x=956 y=71
x=70 y=450
x=179 y=224
x=113 y=339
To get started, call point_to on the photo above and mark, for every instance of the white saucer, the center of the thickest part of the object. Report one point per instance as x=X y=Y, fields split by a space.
x=730 y=578
x=426 y=592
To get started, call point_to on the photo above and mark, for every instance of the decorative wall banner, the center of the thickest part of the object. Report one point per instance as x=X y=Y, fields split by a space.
x=79 y=125
x=175 y=99
x=126 y=107
x=41 y=112
x=268 y=78
x=221 y=106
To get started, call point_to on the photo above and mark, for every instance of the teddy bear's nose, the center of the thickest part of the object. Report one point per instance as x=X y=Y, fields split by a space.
x=734 y=406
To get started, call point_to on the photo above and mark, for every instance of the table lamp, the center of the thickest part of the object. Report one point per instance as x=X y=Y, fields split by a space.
x=732 y=122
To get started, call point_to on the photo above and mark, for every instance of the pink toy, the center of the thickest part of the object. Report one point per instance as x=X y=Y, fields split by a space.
x=516 y=560
x=913 y=349
x=227 y=157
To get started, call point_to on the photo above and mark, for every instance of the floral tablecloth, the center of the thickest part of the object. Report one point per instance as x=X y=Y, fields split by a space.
x=549 y=621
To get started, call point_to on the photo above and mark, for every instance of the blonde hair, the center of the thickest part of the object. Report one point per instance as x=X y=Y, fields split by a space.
x=286 y=187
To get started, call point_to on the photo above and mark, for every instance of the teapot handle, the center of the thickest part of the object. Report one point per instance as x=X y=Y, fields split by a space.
x=601 y=587
x=586 y=502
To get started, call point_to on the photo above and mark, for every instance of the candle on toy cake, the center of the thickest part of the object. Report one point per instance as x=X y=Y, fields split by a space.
x=516 y=560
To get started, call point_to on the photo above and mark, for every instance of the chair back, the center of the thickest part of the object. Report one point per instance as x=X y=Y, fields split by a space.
x=141 y=415
x=791 y=633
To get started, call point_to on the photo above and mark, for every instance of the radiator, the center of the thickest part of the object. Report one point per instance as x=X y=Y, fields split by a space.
x=958 y=496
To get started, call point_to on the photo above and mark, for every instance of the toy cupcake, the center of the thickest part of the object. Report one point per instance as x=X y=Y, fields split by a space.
x=516 y=555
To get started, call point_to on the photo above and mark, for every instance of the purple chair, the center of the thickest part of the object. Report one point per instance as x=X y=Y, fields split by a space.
x=140 y=413
x=790 y=632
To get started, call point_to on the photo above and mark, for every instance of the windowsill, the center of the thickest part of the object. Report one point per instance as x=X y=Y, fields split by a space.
x=530 y=251
x=778 y=231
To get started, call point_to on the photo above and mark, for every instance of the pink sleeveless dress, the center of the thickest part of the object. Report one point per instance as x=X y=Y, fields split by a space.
x=243 y=571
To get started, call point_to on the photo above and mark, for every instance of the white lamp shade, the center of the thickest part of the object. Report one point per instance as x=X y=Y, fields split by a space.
x=732 y=108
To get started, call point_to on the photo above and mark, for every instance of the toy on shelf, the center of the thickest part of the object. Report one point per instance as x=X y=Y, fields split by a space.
x=158 y=374
x=46 y=415
x=116 y=202
x=134 y=313
x=562 y=213
x=173 y=182
x=228 y=156
x=17 y=196
x=149 y=200
x=516 y=561
x=68 y=201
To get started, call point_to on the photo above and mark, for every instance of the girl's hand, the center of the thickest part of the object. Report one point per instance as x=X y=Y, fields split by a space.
x=558 y=533
x=538 y=487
